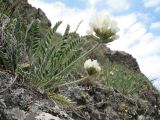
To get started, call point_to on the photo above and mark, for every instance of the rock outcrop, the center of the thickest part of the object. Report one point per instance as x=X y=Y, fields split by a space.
x=19 y=101
x=96 y=102
x=122 y=58
x=119 y=57
x=28 y=13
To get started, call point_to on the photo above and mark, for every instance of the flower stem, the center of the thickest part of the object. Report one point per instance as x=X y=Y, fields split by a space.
x=86 y=53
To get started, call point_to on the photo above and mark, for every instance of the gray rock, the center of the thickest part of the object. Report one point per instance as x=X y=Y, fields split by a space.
x=100 y=103
x=15 y=114
x=22 y=102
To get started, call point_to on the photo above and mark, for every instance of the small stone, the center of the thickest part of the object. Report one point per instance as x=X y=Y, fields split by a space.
x=46 y=116
x=141 y=117
x=15 y=114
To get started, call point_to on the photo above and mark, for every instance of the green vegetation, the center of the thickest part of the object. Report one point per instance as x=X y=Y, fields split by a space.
x=12 y=42
x=47 y=63
x=123 y=79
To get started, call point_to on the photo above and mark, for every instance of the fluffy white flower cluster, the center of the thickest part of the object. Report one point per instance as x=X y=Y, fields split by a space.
x=104 y=27
x=92 y=66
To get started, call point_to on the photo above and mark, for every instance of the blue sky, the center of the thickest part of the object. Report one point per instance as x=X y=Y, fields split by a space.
x=138 y=20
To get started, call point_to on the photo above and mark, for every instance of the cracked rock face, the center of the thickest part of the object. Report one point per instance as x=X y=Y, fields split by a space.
x=96 y=102
x=20 y=101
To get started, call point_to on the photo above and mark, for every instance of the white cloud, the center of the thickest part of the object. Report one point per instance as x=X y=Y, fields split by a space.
x=151 y=62
x=151 y=3
x=130 y=31
x=93 y=2
x=157 y=9
x=156 y=83
x=118 y=5
x=155 y=25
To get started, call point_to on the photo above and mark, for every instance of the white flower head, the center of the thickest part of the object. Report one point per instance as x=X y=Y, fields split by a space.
x=103 y=26
x=92 y=66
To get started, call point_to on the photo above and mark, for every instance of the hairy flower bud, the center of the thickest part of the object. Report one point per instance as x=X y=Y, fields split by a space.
x=92 y=67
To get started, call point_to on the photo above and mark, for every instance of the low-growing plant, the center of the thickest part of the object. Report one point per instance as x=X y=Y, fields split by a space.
x=61 y=100
x=49 y=63
x=123 y=79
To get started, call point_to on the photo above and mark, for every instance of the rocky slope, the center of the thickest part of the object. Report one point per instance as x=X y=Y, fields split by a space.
x=27 y=12
x=96 y=102
x=92 y=100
